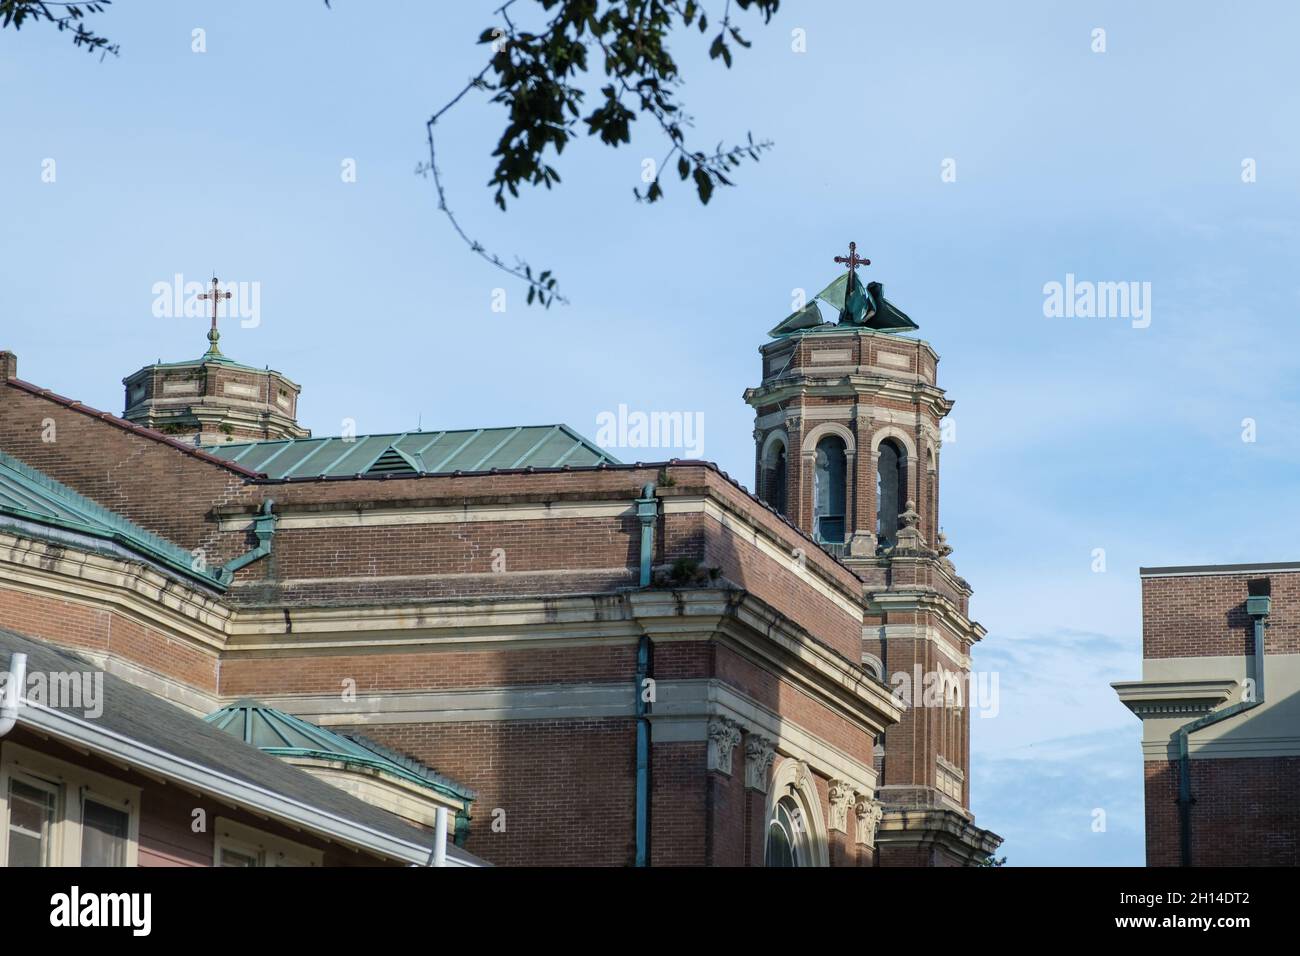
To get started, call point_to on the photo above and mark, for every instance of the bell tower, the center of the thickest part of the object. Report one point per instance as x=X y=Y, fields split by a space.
x=847 y=438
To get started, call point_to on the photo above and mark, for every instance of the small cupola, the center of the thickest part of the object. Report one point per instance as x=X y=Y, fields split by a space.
x=212 y=400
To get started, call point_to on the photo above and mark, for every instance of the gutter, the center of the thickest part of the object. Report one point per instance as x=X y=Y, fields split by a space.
x=647 y=512
x=1258 y=606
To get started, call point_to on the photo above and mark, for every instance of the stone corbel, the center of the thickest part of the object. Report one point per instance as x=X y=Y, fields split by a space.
x=724 y=734
x=868 y=812
x=760 y=753
x=841 y=795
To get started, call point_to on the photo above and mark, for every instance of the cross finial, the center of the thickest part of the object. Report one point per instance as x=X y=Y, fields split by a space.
x=213 y=335
x=852 y=260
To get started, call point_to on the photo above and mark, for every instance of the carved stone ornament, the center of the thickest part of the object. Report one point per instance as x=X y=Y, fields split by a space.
x=800 y=776
x=841 y=795
x=760 y=753
x=944 y=550
x=909 y=535
x=724 y=734
x=868 y=812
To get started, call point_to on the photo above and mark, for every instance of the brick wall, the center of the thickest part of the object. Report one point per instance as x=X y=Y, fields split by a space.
x=147 y=480
x=1205 y=615
x=1246 y=812
x=565 y=787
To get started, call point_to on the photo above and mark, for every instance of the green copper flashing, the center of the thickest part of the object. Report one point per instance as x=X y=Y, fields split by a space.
x=32 y=497
x=284 y=735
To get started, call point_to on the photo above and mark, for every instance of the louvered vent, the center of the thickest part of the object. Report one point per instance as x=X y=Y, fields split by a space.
x=391 y=463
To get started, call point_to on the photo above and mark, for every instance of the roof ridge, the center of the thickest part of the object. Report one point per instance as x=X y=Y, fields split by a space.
x=427 y=431
x=122 y=423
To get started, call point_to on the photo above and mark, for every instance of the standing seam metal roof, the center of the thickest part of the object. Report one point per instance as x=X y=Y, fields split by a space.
x=417 y=453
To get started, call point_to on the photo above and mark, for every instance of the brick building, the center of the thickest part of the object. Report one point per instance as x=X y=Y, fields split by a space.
x=1220 y=714
x=625 y=664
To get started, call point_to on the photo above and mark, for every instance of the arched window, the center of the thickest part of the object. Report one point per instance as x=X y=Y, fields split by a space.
x=774 y=476
x=891 y=484
x=828 y=490
x=787 y=836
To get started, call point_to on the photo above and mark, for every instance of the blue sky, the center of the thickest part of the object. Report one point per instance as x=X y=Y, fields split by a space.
x=1071 y=434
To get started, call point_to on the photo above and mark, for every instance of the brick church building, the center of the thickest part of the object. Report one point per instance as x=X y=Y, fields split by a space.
x=588 y=662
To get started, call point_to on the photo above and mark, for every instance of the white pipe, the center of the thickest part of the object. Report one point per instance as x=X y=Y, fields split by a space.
x=13 y=693
x=440 y=837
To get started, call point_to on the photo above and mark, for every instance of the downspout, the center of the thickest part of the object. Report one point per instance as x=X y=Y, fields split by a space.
x=1258 y=605
x=13 y=694
x=647 y=512
x=438 y=855
x=264 y=529
x=460 y=830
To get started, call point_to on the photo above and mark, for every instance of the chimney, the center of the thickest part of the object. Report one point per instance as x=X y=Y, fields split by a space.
x=8 y=366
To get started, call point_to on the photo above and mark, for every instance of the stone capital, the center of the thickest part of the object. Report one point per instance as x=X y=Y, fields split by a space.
x=841 y=795
x=724 y=734
x=760 y=753
x=868 y=813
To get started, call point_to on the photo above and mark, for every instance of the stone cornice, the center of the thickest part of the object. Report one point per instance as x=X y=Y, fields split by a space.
x=936 y=827
x=760 y=634
x=860 y=387
x=132 y=587
x=1173 y=698
x=928 y=599
x=830 y=335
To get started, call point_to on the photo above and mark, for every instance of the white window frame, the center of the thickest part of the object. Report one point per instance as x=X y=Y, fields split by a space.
x=72 y=784
x=267 y=849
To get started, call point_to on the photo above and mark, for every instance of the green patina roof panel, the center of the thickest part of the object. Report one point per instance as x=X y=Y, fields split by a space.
x=417 y=453
x=866 y=307
x=284 y=735
x=33 y=497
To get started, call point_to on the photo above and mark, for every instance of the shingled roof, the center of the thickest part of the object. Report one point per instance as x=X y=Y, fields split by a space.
x=148 y=733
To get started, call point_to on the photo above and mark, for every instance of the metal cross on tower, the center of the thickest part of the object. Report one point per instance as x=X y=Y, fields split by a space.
x=852 y=260
x=215 y=295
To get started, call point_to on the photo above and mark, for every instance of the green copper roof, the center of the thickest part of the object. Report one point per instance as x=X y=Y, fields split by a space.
x=31 y=497
x=284 y=735
x=416 y=453
x=866 y=307
x=206 y=358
